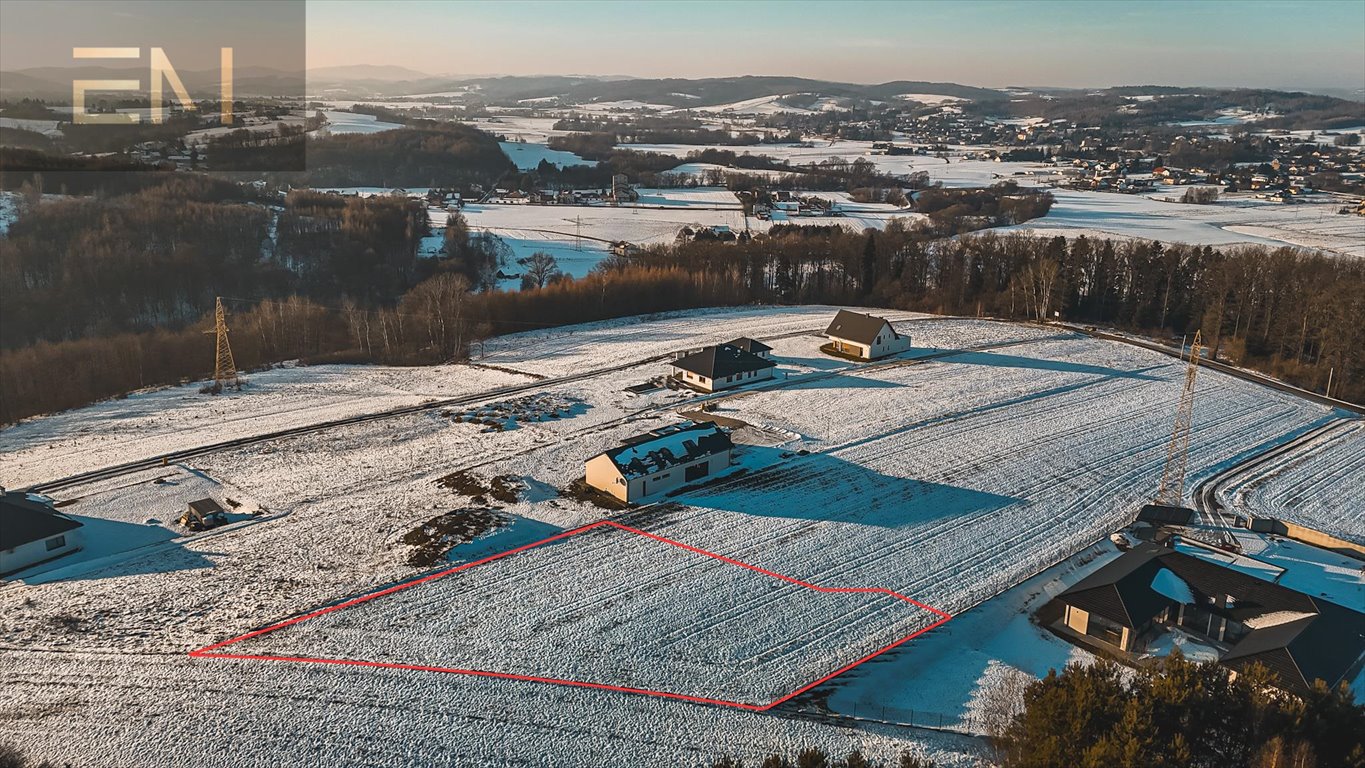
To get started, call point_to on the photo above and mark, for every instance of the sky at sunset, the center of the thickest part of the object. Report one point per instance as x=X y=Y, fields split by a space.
x=1067 y=43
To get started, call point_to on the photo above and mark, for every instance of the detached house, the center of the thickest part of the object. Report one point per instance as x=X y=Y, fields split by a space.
x=864 y=336
x=660 y=461
x=1133 y=600
x=31 y=531
x=724 y=366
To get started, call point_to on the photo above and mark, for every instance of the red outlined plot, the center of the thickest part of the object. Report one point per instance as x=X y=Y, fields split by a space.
x=216 y=650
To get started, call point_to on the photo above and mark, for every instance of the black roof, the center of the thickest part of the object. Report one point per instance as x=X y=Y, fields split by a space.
x=722 y=360
x=669 y=447
x=24 y=520
x=1166 y=514
x=749 y=345
x=1323 y=641
x=855 y=326
x=1321 y=647
x=1121 y=590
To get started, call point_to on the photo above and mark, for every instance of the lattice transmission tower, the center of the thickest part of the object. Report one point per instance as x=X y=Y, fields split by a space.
x=224 y=368
x=1177 y=453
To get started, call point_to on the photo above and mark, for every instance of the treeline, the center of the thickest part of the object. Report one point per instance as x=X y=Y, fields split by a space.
x=156 y=258
x=439 y=320
x=1293 y=314
x=669 y=129
x=652 y=169
x=74 y=175
x=425 y=153
x=815 y=757
x=1179 y=714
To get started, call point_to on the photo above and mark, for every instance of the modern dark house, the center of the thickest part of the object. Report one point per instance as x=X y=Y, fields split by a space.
x=32 y=531
x=1132 y=600
x=721 y=367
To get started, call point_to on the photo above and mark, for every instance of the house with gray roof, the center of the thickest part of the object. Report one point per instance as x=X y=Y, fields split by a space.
x=723 y=366
x=865 y=337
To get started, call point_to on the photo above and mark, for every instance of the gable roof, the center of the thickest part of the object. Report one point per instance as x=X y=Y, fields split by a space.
x=857 y=327
x=722 y=360
x=1316 y=640
x=669 y=447
x=24 y=520
x=1120 y=591
x=749 y=345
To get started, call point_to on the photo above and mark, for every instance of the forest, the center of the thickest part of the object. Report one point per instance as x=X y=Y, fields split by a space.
x=1287 y=312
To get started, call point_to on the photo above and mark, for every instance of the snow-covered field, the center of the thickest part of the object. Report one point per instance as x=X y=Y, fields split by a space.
x=1314 y=224
x=153 y=422
x=948 y=480
x=950 y=673
x=1322 y=486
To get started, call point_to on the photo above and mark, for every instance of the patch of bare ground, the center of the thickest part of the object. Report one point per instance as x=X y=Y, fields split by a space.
x=504 y=488
x=579 y=490
x=433 y=539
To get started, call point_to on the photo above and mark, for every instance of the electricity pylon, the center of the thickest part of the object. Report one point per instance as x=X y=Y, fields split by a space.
x=1172 y=491
x=224 y=369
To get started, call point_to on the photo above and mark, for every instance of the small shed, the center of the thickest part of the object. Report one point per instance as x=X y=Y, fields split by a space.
x=203 y=513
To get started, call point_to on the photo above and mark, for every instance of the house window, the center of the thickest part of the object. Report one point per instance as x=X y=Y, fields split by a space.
x=698 y=471
x=56 y=542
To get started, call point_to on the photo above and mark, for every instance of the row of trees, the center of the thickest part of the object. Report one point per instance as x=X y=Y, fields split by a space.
x=1179 y=714
x=1291 y=313
x=815 y=757
x=94 y=266
x=1287 y=312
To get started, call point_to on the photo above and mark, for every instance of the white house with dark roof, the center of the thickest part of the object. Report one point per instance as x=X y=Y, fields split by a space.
x=865 y=337
x=723 y=366
x=31 y=531
x=660 y=461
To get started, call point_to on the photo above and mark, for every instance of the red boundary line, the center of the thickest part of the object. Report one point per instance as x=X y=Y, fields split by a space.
x=212 y=651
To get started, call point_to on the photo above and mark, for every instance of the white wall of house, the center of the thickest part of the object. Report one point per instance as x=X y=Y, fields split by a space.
x=36 y=552
x=886 y=343
x=709 y=385
x=603 y=474
x=889 y=343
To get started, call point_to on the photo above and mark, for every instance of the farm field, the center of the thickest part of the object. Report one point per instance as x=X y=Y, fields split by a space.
x=948 y=479
x=1311 y=487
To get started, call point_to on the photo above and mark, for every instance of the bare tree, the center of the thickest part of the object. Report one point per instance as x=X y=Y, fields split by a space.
x=1003 y=700
x=541 y=269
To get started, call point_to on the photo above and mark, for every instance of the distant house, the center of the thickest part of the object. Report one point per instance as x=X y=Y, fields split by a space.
x=1130 y=602
x=752 y=346
x=864 y=336
x=660 y=461
x=723 y=366
x=31 y=531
